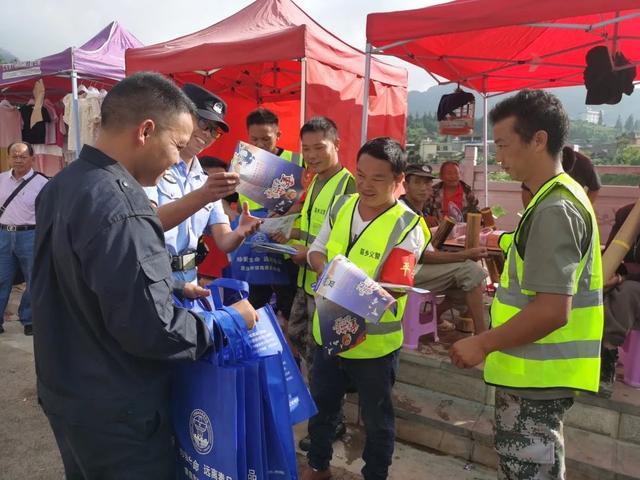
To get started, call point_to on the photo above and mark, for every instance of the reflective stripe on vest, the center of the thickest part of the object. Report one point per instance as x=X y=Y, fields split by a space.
x=569 y=356
x=312 y=217
x=377 y=240
x=289 y=156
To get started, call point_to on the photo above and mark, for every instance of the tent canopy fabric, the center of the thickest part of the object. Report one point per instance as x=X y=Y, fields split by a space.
x=264 y=31
x=498 y=46
x=101 y=60
x=272 y=54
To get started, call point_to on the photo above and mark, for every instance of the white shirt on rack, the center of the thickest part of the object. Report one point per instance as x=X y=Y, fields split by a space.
x=22 y=209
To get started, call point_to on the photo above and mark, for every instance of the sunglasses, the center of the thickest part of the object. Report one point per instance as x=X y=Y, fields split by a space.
x=211 y=127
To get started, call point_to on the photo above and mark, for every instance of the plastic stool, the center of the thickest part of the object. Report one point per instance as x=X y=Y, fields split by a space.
x=414 y=316
x=632 y=359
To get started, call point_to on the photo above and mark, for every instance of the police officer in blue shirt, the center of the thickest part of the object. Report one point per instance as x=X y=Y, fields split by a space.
x=188 y=200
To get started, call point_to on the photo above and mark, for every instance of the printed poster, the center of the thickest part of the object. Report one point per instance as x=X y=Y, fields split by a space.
x=266 y=178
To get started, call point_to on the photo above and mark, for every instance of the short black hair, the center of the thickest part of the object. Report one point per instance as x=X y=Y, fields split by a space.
x=535 y=110
x=321 y=124
x=387 y=149
x=144 y=95
x=212 y=162
x=448 y=162
x=21 y=142
x=262 y=116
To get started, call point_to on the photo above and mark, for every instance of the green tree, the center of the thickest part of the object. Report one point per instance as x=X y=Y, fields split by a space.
x=628 y=155
x=629 y=124
x=618 y=126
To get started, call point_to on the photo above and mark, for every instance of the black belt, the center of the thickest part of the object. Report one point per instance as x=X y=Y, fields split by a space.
x=17 y=228
x=183 y=263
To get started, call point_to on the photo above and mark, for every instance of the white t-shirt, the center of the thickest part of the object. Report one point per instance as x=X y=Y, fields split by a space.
x=413 y=242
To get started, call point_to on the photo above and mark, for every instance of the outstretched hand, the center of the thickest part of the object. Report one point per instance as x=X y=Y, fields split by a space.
x=468 y=352
x=220 y=185
x=248 y=224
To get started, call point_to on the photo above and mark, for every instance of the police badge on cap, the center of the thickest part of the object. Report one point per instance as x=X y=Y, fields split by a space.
x=208 y=105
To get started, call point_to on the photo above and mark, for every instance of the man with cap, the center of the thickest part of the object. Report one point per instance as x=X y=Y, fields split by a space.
x=188 y=200
x=456 y=274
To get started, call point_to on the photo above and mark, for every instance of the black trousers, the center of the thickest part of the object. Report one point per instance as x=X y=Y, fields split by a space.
x=373 y=379
x=129 y=449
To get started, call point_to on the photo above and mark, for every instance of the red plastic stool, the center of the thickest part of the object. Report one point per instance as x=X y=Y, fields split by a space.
x=417 y=321
x=632 y=359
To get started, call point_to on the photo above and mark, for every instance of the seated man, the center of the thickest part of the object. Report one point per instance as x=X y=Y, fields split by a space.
x=451 y=196
x=621 y=306
x=456 y=274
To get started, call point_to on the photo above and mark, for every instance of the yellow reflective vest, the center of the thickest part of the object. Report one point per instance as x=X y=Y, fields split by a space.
x=287 y=155
x=369 y=251
x=569 y=356
x=313 y=215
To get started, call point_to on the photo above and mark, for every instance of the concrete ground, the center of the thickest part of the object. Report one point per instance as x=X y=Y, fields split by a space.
x=28 y=449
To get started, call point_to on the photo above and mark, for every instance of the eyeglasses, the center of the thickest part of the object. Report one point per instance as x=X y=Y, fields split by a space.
x=211 y=127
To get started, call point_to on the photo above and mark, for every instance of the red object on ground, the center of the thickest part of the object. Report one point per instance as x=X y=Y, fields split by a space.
x=491 y=46
x=254 y=58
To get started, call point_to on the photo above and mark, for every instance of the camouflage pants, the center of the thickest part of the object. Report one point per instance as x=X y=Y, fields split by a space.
x=300 y=328
x=529 y=437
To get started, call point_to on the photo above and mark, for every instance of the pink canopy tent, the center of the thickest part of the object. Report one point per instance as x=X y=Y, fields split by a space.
x=497 y=46
x=100 y=62
x=273 y=54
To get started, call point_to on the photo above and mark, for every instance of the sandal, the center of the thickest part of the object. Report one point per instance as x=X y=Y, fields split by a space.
x=446 y=326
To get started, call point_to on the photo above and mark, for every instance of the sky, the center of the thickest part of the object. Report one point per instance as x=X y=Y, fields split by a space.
x=55 y=25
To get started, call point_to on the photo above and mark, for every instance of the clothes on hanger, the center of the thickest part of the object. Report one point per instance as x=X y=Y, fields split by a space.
x=89 y=118
x=10 y=124
x=37 y=133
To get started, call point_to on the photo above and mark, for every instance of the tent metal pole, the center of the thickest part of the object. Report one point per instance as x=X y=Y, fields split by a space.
x=365 y=95
x=76 y=109
x=485 y=141
x=303 y=90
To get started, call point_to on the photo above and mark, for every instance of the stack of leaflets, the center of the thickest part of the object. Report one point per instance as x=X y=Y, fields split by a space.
x=346 y=299
x=266 y=178
x=283 y=225
x=270 y=247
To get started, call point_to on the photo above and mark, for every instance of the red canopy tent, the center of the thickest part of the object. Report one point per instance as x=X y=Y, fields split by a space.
x=498 y=46
x=273 y=54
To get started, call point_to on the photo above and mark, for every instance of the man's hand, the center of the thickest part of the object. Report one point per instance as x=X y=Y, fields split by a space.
x=279 y=237
x=468 y=352
x=248 y=313
x=248 y=224
x=614 y=281
x=476 y=253
x=194 y=291
x=300 y=258
x=219 y=185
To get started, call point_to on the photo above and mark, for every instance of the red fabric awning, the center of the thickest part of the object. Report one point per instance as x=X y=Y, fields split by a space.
x=491 y=46
x=254 y=58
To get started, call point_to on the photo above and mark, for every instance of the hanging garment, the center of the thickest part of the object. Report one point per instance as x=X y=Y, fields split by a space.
x=10 y=124
x=37 y=133
x=89 y=116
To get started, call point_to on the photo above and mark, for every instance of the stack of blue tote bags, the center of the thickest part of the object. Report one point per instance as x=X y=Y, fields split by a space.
x=233 y=409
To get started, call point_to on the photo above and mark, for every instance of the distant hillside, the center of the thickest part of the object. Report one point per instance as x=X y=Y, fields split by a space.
x=6 y=57
x=572 y=98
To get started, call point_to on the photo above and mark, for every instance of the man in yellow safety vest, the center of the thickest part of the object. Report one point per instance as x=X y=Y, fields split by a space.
x=547 y=315
x=384 y=238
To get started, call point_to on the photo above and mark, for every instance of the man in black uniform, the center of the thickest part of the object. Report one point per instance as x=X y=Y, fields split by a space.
x=104 y=322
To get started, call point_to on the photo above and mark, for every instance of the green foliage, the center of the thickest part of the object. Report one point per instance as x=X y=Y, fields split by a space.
x=595 y=134
x=620 y=179
x=629 y=125
x=628 y=155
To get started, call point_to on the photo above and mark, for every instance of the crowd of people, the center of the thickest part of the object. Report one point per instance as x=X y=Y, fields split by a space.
x=142 y=216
